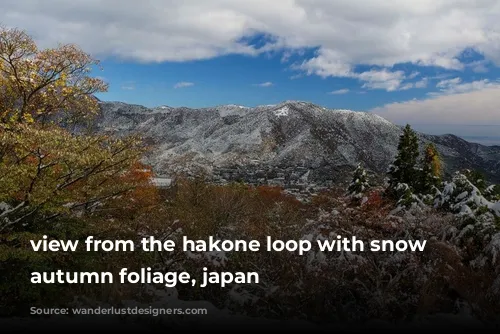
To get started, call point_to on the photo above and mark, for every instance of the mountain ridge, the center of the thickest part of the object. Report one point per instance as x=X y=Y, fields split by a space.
x=287 y=135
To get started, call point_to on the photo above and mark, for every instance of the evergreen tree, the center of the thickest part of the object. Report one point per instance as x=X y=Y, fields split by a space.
x=476 y=178
x=403 y=168
x=492 y=193
x=359 y=183
x=430 y=175
x=462 y=196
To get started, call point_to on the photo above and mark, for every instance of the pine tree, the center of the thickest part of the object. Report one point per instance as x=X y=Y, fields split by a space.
x=359 y=183
x=403 y=168
x=430 y=175
x=476 y=178
x=492 y=193
x=462 y=196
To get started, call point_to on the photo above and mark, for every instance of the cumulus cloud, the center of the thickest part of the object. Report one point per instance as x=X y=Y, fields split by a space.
x=183 y=84
x=455 y=85
x=478 y=66
x=479 y=107
x=373 y=79
x=264 y=84
x=339 y=91
x=390 y=81
x=345 y=33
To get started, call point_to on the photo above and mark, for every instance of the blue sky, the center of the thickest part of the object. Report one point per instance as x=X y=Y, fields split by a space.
x=432 y=63
x=267 y=79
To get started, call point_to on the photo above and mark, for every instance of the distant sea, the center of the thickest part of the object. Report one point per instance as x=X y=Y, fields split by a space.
x=484 y=140
x=481 y=134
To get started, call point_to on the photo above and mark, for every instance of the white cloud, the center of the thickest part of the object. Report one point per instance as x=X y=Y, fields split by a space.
x=346 y=32
x=128 y=85
x=448 y=83
x=418 y=84
x=183 y=84
x=421 y=83
x=407 y=86
x=286 y=56
x=339 y=91
x=479 y=107
x=373 y=79
x=413 y=75
x=296 y=76
x=264 y=84
x=478 y=66
x=455 y=86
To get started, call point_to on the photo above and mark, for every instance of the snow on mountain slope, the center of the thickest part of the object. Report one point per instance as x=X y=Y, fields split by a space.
x=283 y=111
x=292 y=133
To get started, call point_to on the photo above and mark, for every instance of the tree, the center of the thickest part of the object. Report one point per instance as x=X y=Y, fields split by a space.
x=461 y=195
x=45 y=170
x=359 y=183
x=476 y=178
x=50 y=171
x=430 y=175
x=403 y=168
x=37 y=84
x=492 y=193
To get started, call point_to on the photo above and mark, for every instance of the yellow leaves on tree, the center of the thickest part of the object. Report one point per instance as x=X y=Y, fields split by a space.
x=432 y=158
x=39 y=84
x=45 y=170
x=430 y=175
x=50 y=171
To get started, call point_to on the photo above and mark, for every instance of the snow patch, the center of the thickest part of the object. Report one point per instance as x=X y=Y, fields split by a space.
x=161 y=181
x=283 y=111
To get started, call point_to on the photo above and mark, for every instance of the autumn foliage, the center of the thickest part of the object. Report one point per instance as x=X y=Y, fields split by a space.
x=37 y=84
x=54 y=181
x=45 y=170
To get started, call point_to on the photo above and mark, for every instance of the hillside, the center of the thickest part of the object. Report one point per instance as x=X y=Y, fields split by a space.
x=288 y=143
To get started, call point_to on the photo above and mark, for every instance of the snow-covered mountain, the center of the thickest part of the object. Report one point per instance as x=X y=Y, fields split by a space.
x=292 y=139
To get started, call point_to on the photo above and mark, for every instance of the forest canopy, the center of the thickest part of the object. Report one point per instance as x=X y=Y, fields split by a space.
x=46 y=170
